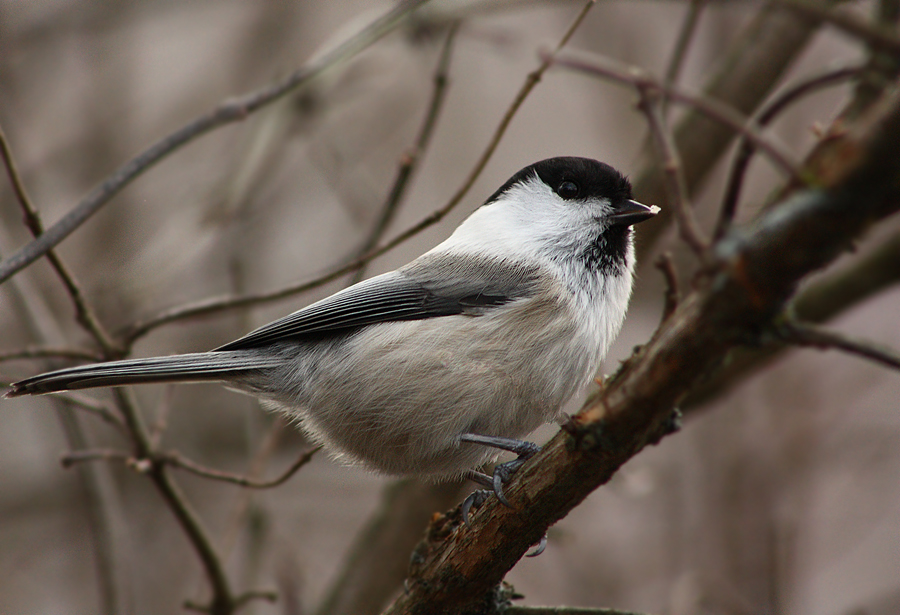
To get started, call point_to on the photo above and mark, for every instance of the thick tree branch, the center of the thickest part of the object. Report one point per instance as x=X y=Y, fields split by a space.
x=754 y=274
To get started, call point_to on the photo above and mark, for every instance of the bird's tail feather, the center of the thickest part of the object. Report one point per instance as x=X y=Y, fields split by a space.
x=196 y=367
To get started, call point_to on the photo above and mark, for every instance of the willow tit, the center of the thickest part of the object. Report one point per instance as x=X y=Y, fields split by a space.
x=477 y=342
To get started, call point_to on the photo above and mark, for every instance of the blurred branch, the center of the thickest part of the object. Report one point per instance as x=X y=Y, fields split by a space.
x=49 y=353
x=804 y=334
x=688 y=227
x=685 y=35
x=143 y=465
x=673 y=295
x=178 y=461
x=754 y=276
x=229 y=111
x=769 y=112
x=711 y=108
x=883 y=39
x=410 y=160
x=214 y=305
x=378 y=559
x=819 y=302
x=32 y=219
x=564 y=610
x=744 y=76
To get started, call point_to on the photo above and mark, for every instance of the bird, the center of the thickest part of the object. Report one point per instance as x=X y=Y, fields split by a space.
x=435 y=368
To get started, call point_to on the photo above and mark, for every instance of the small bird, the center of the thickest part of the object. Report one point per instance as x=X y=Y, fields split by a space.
x=429 y=369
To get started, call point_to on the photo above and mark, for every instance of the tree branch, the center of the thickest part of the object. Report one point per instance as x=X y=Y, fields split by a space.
x=226 y=112
x=412 y=157
x=755 y=273
x=217 y=304
x=805 y=334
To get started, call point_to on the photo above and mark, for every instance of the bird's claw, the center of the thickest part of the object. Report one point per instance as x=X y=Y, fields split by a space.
x=540 y=548
x=475 y=499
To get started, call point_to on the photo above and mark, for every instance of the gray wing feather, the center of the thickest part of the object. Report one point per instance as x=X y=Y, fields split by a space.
x=426 y=288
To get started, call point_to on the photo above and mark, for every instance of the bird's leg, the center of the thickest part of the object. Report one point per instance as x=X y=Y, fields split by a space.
x=503 y=471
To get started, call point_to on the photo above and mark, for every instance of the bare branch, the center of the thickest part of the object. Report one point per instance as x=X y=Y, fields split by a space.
x=688 y=227
x=49 y=353
x=410 y=160
x=754 y=275
x=806 y=334
x=685 y=35
x=178 y=461
x=723 y=113
x=226 y=112
x=768 y=113
x=877 y=37
x=218 y=304
x=746 y=73
x=673 y=294
x=84 y=314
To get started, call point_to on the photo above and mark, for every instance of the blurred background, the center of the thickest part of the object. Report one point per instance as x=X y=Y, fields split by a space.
x=780 y=494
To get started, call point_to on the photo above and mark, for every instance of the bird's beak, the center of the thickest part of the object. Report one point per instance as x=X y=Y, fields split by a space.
x=631 y=212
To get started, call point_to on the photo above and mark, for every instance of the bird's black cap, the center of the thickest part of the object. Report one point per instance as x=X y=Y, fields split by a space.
x=591 y=178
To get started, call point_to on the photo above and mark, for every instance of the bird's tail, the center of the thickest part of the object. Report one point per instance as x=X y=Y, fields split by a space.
x=196 y=367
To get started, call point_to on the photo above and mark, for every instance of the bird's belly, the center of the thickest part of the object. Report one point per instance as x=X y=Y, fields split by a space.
x=397 y=411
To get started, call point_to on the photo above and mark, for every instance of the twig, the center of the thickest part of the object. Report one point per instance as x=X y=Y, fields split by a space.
x=673 y=293
x=876 y=37
x=410 y=160
x=178 y=461
x=685 y=35
x=226 y=112
x=222 y=602
x=218 y=304
x=806 y=334
x=564 y=610
x=724 y=113
x=49 y=353
x=95 y=407
x=158 y=428
x=677 y=190
x=84 y=314
x=769 y=112
x=259 y=594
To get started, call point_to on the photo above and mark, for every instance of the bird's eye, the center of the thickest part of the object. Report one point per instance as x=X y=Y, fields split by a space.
x=567 y=190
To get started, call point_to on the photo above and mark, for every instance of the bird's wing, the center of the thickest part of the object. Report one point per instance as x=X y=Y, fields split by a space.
x=421 y=290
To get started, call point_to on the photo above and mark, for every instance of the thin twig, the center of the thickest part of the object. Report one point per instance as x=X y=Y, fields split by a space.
x=159 y=426
x=178 y=461
x=35 y=352
x=805 y=334
x=685 y=36
x=769 y=112
x=218 y=304
x=676 y=186
x=67 y=460
x=222 y=601
x=229 y=111
x=94 y=407
x=410 y=160
x=724 y=113
x=672 y=295
x=259 y=594
x=875 y=36
x=32 y=219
